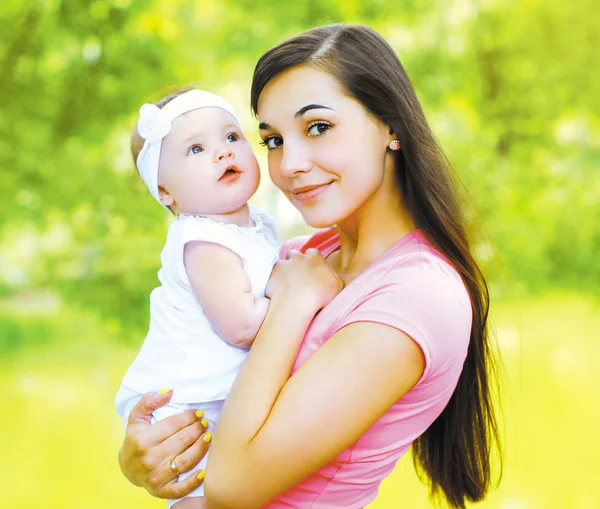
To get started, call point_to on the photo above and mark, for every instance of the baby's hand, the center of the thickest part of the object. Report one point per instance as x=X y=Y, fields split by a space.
x=306 y=278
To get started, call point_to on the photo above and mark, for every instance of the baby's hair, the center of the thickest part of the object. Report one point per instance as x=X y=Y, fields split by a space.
x=137 y=142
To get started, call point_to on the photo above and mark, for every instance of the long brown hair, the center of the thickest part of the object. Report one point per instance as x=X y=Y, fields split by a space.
x=455 y=450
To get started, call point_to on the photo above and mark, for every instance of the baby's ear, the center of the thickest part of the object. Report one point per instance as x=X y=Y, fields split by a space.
x=165 y=198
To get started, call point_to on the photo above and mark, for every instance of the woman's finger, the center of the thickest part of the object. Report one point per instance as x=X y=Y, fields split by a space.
x=313 y=252
x=292 y=253
x=178 y=489
x=164 y=429
x=176 y=445
x=189 y=458
x=142 y=411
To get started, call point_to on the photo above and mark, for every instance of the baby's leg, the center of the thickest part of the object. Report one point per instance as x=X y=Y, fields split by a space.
x=190 y=503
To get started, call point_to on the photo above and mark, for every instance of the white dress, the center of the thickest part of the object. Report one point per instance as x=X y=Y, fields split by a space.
x=181 y=350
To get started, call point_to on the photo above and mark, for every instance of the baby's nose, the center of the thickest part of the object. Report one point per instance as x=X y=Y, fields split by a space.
x=224 y=153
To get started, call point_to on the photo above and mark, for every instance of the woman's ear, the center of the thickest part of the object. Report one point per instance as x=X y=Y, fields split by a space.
x=393 y=143
x=165 y=198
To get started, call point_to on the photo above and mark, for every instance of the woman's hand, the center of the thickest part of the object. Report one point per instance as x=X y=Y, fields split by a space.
x=148 y=449
x=306 y=277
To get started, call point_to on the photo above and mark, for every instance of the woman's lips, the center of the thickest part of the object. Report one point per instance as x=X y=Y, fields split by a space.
x=309 y=192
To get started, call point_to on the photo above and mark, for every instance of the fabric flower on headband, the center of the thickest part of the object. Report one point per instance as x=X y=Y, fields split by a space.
x=153 y=125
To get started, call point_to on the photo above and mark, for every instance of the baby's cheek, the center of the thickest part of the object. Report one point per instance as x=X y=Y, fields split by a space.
x=196 y=194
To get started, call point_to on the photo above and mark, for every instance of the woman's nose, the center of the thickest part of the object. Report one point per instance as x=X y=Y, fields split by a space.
x=294 y=159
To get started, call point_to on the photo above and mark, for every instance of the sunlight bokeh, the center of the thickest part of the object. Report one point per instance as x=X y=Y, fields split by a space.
x=510 y=90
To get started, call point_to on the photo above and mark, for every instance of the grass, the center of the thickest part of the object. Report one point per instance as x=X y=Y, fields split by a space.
x=60 y=434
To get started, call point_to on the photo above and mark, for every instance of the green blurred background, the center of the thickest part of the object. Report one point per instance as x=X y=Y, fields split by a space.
x=511 y=90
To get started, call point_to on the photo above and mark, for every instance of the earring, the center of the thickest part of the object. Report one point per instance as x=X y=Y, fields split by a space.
x=394 y=145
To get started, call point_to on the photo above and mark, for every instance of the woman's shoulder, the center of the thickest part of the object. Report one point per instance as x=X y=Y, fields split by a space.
x=414 y=288
x=425 y=280
x=414 y=259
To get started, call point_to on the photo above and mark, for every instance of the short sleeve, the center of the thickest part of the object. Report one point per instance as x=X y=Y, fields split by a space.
x=193 y=228
x=205 y=230
x=269 y=226
x=424 y=297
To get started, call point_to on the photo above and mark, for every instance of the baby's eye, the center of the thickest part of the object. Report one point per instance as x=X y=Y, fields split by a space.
x=231 y=137
x=196 y=149
x=272 y=142
x=318 y=128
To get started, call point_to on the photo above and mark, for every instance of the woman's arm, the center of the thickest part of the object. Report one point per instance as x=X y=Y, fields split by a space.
x=285 y=433
x=224 y=292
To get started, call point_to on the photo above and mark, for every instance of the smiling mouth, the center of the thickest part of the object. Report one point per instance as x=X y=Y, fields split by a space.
x=308 y=193
x=307 y=189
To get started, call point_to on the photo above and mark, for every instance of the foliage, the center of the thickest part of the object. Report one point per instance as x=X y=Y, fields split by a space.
x=509 y=88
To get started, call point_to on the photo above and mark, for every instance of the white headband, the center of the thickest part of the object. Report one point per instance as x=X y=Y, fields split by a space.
x=155 y=123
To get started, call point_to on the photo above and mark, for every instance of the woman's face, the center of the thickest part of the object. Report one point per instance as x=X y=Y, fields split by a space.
x=326 y=152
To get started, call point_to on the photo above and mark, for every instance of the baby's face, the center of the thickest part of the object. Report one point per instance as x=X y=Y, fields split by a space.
x=206 y=164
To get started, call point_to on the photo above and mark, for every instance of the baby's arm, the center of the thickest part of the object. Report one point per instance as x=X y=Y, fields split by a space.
x=224 y=291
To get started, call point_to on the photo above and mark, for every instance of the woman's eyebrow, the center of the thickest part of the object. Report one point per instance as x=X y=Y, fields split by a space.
x=309 y=107
x=263 y=126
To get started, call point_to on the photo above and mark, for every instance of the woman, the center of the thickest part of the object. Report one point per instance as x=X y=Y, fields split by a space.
x=326 y=403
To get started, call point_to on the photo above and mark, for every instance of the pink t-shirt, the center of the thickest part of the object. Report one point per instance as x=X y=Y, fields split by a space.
x=413 y=288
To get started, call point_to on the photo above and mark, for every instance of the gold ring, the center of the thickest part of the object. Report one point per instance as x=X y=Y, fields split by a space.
x=174 y=468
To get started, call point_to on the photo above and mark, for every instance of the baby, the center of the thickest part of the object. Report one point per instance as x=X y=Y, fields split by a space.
x=216 y=262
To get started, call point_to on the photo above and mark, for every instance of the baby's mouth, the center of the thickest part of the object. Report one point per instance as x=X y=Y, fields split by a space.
x=230 y=172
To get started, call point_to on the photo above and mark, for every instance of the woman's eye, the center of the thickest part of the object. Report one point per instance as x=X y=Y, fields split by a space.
x=318 y=128
x=196 y=149
x=272 y=142
x=232 y=137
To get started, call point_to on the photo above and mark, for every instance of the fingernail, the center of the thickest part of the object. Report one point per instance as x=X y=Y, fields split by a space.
x=199 y=414
x=165 y=391
x=204 y=423
x=200 y=475
x=207 y=436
